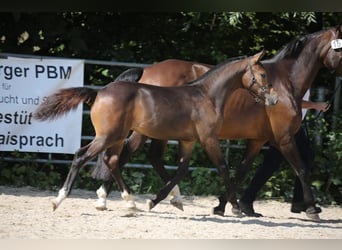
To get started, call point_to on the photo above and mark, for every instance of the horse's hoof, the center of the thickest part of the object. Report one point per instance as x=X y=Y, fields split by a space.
x=217 y=211
x=101 y=208
x=100 y=205
x=247 y=209
x=236 y=211
x=54 y=205
x=177 y=204
x=134 y=209
x=301 y=207
x=150 y=205
x=313 y=213
x=254 y=214
x=131 y=212
x=314 y=217
x=313 y=210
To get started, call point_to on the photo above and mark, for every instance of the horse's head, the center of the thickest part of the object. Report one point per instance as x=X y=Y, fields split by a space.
x=256 y=81
x=333 y=57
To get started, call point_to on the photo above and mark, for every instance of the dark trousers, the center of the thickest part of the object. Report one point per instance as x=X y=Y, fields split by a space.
x=272 y=161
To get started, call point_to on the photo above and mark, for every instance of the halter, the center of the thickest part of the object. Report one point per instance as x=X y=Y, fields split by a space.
x=263 y=89
x=336 y=44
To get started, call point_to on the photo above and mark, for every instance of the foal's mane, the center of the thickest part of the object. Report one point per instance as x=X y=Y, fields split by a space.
x=216 y=67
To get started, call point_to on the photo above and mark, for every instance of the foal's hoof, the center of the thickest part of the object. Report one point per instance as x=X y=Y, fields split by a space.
x=54 y=205
x=177 y=204
x=101 y=208
x=100 y=205
x=131 y=212
x=134 y=209
x=247 y=209
x=218 y=211
x=150 y=204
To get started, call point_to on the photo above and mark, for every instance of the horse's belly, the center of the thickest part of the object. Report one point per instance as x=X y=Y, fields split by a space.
x=166 y=135
x=237 y=134
x=164 y=130
x=248 y=129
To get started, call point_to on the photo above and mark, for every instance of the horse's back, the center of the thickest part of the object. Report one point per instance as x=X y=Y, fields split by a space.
x=130 y=75
x=173 y=72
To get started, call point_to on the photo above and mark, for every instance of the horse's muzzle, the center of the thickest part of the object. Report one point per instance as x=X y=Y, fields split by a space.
x=271 y=98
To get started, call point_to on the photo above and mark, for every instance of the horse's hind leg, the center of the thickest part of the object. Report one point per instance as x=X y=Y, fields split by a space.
x=83 y=155
x=112 y=160
x=155 y=156
x=102 y=194
x=185 y=148
x=133 y=143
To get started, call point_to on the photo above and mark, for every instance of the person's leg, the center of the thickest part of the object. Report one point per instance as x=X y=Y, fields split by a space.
x=307 y=154
x=272 y=161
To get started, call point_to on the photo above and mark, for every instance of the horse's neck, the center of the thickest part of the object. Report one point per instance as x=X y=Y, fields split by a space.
x=306 y=67
x=303 y=74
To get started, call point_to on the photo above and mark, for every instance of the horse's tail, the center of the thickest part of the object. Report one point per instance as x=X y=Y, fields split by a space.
x=100 y=171
x=63 y=102
x=130 y=75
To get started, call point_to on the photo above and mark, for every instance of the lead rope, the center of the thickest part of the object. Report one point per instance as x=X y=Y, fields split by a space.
x=330 y=102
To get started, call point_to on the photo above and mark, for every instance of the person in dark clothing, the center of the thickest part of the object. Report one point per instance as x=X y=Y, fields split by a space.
x=272 y=162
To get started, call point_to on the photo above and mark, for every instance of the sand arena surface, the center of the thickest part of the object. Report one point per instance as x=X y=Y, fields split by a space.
x=26 y=213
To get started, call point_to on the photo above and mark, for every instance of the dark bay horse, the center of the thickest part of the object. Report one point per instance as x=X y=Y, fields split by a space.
x=120 y=107
x=168 y=73
x=291 y=71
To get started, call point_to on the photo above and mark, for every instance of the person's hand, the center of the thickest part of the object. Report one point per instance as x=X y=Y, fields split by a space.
x=322 y=106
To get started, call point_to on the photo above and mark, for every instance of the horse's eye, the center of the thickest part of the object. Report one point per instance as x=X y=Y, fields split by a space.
x=263 y=75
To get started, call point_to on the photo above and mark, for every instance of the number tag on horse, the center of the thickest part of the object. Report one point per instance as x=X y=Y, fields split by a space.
x=336 y=44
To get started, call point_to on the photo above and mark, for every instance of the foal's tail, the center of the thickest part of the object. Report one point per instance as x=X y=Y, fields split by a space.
x=63 y=102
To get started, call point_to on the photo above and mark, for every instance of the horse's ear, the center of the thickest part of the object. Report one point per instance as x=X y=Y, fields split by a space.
x=258 y=56
x=338 y=31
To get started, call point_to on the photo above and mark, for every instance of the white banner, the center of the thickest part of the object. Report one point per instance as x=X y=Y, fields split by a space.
x=24 y=84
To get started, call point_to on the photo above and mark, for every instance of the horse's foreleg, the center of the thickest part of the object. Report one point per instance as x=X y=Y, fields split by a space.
x=212 y=147
x=290 y=152
x=252 y=150
x=185 y=149
x=155 y=156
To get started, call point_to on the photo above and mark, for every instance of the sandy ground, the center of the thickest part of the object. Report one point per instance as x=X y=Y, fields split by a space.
x=26 y=213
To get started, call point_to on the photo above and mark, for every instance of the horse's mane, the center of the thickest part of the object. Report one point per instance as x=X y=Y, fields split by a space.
x=295 y=47
x=214 y=69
